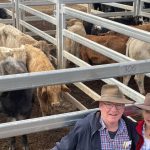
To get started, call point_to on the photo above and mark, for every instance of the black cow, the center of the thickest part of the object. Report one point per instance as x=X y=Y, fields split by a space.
x=17 y=104
x=107 y=8
x=3 y=13
x=97 y=30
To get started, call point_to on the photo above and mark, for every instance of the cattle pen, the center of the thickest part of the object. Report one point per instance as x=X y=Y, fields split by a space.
x=19 y=10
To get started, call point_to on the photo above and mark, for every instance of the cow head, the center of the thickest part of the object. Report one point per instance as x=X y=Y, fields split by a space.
x=12 y=66
x=50 y=97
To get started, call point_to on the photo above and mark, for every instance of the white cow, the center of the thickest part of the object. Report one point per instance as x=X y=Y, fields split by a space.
x=76 y=26
x=138 y=50
x=13 y=38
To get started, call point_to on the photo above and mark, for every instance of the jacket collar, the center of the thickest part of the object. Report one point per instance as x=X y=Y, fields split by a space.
x=95 y=123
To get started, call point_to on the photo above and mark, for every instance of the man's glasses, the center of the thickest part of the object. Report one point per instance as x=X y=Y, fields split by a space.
x=111 y=105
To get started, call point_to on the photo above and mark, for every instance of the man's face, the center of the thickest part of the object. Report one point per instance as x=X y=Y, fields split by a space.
x=111 y=112
x=146 y=116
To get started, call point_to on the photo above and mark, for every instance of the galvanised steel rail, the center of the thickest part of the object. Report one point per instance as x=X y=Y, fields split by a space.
x=115 y=26
x=33 y=125
x=71 y=75
x=39 y=14
x=91 y=1
x=39 y=32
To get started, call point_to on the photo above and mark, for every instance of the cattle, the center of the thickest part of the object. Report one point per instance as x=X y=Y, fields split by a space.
x=98 y=30
x=16 y=104
x=138 y=50
x=116 y=42
x=76 y=26
x=3 y=13
x=107 y=8
x=145 y=27
x=48 y=96
x=18 y=54
x=14 y=38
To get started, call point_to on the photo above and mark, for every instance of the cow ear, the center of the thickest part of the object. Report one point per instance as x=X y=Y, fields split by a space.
x=42 y=93
x=65 y=88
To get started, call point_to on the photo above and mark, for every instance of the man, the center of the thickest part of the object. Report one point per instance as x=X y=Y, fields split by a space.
x=106 y=129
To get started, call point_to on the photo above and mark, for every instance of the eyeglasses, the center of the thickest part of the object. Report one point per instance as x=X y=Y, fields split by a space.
x=111 y=105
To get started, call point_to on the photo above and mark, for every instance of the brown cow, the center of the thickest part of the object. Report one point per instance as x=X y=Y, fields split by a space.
x=112 y=40
x=115 y=42
x=47 y=95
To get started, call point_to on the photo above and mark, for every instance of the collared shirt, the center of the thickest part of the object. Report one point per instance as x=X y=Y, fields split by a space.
x=146 y=145
x=121 y=140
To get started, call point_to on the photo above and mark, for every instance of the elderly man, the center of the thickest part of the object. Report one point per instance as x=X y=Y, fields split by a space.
x=106 y=129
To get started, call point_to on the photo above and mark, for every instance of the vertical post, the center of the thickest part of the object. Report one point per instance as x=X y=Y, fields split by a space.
x=22 y=16
x=21 y=12
x=17 y=13
x=141 y=6
x=136 y=7
x=13 y=13
x=59 y=35
x=90 y=6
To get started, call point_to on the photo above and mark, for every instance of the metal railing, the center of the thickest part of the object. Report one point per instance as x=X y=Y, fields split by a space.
x=22 y=81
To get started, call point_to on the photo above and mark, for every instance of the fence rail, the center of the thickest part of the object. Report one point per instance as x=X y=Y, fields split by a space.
x=31 y=80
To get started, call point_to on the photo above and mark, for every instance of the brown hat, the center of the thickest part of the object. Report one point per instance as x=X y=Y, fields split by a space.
x=146 y=104
x=112 y=93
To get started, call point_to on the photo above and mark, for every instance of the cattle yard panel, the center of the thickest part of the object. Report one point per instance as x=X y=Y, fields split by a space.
x=35 y=15
x=129 y=10
x=107 y=52
x=71 y=75
x=115 y=26
x=10 y=9
x=78 y=39
x=126 y=90
x=143 y=11
x=64 y=76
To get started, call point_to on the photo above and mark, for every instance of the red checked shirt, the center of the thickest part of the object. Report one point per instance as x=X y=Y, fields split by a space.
x=121 y=141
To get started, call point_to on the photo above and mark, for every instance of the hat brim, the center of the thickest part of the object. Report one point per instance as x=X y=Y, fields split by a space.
x=116 y=100
x=144 y=107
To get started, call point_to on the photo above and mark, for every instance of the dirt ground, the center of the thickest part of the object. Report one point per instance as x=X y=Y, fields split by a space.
x=47 y=139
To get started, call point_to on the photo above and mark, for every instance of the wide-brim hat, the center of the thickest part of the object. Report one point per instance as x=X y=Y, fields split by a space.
x=112 y=93
x=146 y=104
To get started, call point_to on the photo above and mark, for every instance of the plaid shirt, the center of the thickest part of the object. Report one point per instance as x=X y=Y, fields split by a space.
x=146 y=145
x=121 y=140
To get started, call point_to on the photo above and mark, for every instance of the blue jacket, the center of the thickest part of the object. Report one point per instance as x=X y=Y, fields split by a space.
x=85 y=135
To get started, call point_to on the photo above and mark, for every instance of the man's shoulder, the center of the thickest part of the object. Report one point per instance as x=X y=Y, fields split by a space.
x=88 y=119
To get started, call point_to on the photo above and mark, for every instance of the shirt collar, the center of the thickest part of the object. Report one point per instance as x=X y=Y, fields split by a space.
x=120 y=128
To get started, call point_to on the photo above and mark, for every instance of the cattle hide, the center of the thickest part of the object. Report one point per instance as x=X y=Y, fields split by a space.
x=18 y=53
x=16 y=104
x=48 y=96
x=14 y=38
x=75 y=26
x=138 y=50
x=3 y=13
x=115 y=42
